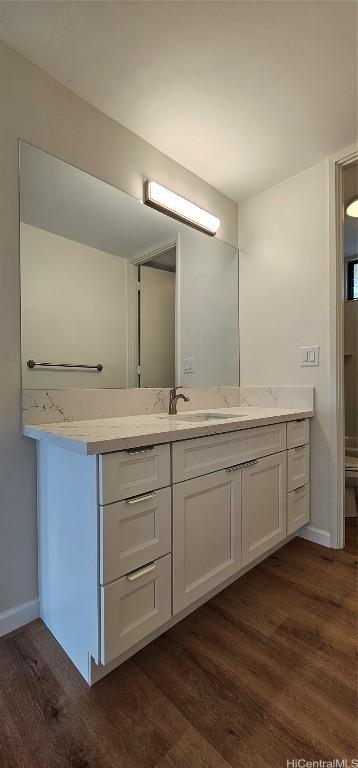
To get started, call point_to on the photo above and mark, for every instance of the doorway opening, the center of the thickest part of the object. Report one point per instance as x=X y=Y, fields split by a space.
x=350 y=344
x=156 y=317
x=343 y=187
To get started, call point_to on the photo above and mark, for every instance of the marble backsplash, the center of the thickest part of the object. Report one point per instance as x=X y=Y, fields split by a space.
x=277 y=397
x=49 y=406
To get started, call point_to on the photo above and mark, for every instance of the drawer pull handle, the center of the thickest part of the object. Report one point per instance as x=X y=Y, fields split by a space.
x=133 y=451
x=298 y=420
x=240 y=466
x=137 y=499
x=141 y=572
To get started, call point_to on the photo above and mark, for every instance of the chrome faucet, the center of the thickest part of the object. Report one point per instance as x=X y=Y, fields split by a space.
x=173 y=399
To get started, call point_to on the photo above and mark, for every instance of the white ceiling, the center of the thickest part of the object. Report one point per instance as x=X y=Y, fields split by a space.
x=62 y=199
x=241 y=93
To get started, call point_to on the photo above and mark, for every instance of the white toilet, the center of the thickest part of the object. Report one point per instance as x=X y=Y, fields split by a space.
x=351 y=485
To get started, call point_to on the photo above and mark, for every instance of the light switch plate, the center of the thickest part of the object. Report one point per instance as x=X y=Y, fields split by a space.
x=308 y=357
x=189 y=365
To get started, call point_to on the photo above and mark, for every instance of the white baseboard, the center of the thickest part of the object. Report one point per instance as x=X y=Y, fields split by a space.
x=19 y=616
x=317 y=535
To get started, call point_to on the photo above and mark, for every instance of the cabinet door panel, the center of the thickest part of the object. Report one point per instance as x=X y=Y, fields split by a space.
x=263 y=506
x=206 y=535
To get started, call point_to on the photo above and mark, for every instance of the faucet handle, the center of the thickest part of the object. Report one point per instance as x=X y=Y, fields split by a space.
x=173 y=390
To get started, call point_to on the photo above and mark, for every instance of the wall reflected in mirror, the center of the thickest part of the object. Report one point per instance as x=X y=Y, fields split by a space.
x=107 y=281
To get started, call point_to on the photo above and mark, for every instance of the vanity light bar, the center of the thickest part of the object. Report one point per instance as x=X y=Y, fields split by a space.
x=178 y=207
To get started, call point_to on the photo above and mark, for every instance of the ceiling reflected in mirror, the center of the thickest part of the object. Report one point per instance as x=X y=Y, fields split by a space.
x=117 y=294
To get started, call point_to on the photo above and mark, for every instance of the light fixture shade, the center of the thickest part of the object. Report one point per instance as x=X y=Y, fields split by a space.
x=352 y=208
x=179 y=208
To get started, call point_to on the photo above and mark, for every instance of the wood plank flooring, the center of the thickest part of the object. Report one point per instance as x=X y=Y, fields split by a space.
x=263 y=673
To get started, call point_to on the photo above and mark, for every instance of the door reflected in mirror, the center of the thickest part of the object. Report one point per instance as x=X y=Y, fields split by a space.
x=107 y=281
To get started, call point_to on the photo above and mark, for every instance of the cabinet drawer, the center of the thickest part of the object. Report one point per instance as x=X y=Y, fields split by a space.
x=298 y=467
x=298 y=433
x=129 y=473
x=192 y=458
x=134 y=606
x=298 y=508
x=134 y=532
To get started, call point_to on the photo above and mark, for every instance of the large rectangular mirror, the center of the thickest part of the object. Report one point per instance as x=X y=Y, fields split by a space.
x=115 y=294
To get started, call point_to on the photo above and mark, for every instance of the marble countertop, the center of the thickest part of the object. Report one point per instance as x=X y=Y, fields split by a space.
x=119 y=433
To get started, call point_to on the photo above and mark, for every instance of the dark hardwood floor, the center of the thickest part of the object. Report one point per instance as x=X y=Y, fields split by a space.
x=263 y=673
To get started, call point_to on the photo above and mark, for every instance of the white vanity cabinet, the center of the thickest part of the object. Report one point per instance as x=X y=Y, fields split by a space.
x=223 y=521
x=298 y=433
x=133 y=532
x=192 y=458
x=298 y=474
x=131 y=541
x=134 y=546
x=206 y=535
x=298 y=508
x=264 y=501
x=124 y=474
x=298 y=467
x=134 y=606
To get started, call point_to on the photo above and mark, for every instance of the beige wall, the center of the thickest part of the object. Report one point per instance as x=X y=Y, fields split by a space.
x=73 y=309
x=39 y=110
x=284 y=304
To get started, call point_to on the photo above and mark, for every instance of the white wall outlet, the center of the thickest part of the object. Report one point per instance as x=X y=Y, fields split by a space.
x=308 y=357
x=189 y=365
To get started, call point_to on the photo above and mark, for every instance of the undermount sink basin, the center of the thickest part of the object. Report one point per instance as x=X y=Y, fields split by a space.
x=204 y=416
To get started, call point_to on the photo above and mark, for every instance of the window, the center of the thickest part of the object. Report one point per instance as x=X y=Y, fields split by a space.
x=352 y=279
